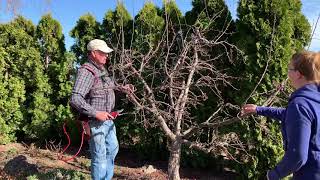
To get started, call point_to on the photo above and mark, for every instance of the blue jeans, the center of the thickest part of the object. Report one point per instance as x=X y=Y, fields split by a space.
x=103 y=148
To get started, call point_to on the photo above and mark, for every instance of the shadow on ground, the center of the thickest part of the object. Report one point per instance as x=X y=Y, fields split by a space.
x=19 y=166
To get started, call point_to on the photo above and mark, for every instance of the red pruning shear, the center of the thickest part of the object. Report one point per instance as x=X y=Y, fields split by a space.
x=117 y=113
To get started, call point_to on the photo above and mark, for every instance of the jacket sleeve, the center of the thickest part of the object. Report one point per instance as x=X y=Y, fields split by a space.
x=83 y=84
x=298 y=128
x=272 y=112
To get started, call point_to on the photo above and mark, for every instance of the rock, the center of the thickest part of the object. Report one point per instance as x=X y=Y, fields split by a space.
x=148 y=169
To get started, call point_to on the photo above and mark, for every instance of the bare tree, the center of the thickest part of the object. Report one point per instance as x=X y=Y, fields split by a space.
x=172 y=82
x=14 y=6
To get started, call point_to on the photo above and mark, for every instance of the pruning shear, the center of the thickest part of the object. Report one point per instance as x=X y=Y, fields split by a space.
x=117 y=113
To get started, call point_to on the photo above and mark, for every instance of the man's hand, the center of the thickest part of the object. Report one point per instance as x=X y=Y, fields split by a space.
x=102 y=116
x=248 y=109
x=128 y=88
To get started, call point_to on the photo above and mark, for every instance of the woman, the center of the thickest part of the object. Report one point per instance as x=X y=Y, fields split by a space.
x=300 y=121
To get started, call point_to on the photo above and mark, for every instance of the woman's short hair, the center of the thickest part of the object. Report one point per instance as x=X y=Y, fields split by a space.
x=308 y=64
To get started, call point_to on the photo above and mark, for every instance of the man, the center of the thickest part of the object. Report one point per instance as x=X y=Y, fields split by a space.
x=93 y=95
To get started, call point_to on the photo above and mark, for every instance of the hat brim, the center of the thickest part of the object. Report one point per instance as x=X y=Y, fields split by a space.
x=105 y=49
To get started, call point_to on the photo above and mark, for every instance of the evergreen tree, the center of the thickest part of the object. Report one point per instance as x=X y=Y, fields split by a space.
x=12 y=97
x=117 y=27
x=212 y=15
x=149 y=27
x=24 y=68
x=59 y=68
x=86 y=29
x=52 y=48
x=51 y=40
x=174 y=22
x=172 y=14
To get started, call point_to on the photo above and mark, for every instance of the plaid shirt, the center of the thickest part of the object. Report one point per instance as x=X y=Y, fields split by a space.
x=90 y=93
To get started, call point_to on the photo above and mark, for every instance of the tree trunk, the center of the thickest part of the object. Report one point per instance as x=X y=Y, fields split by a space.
x=174 y=160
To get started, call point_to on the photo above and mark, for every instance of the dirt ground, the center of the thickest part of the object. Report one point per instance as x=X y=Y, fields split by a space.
x=21 y=161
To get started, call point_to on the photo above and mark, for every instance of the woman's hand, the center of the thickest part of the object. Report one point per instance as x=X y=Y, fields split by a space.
x=248 y=109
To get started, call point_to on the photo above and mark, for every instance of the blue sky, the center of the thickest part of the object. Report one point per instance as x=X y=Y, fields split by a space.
x=67 y=12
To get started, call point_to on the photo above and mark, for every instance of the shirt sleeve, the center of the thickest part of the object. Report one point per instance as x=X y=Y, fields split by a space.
x=298 y=128
x=272 y=112
x=83 y=84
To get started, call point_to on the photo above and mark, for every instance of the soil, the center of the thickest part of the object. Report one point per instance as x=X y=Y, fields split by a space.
x=20 y=161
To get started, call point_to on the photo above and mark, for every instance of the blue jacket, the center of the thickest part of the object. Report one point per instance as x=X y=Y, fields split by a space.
x=300 y=127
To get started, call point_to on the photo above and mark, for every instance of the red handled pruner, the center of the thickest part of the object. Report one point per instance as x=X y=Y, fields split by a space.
x=117 y=113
